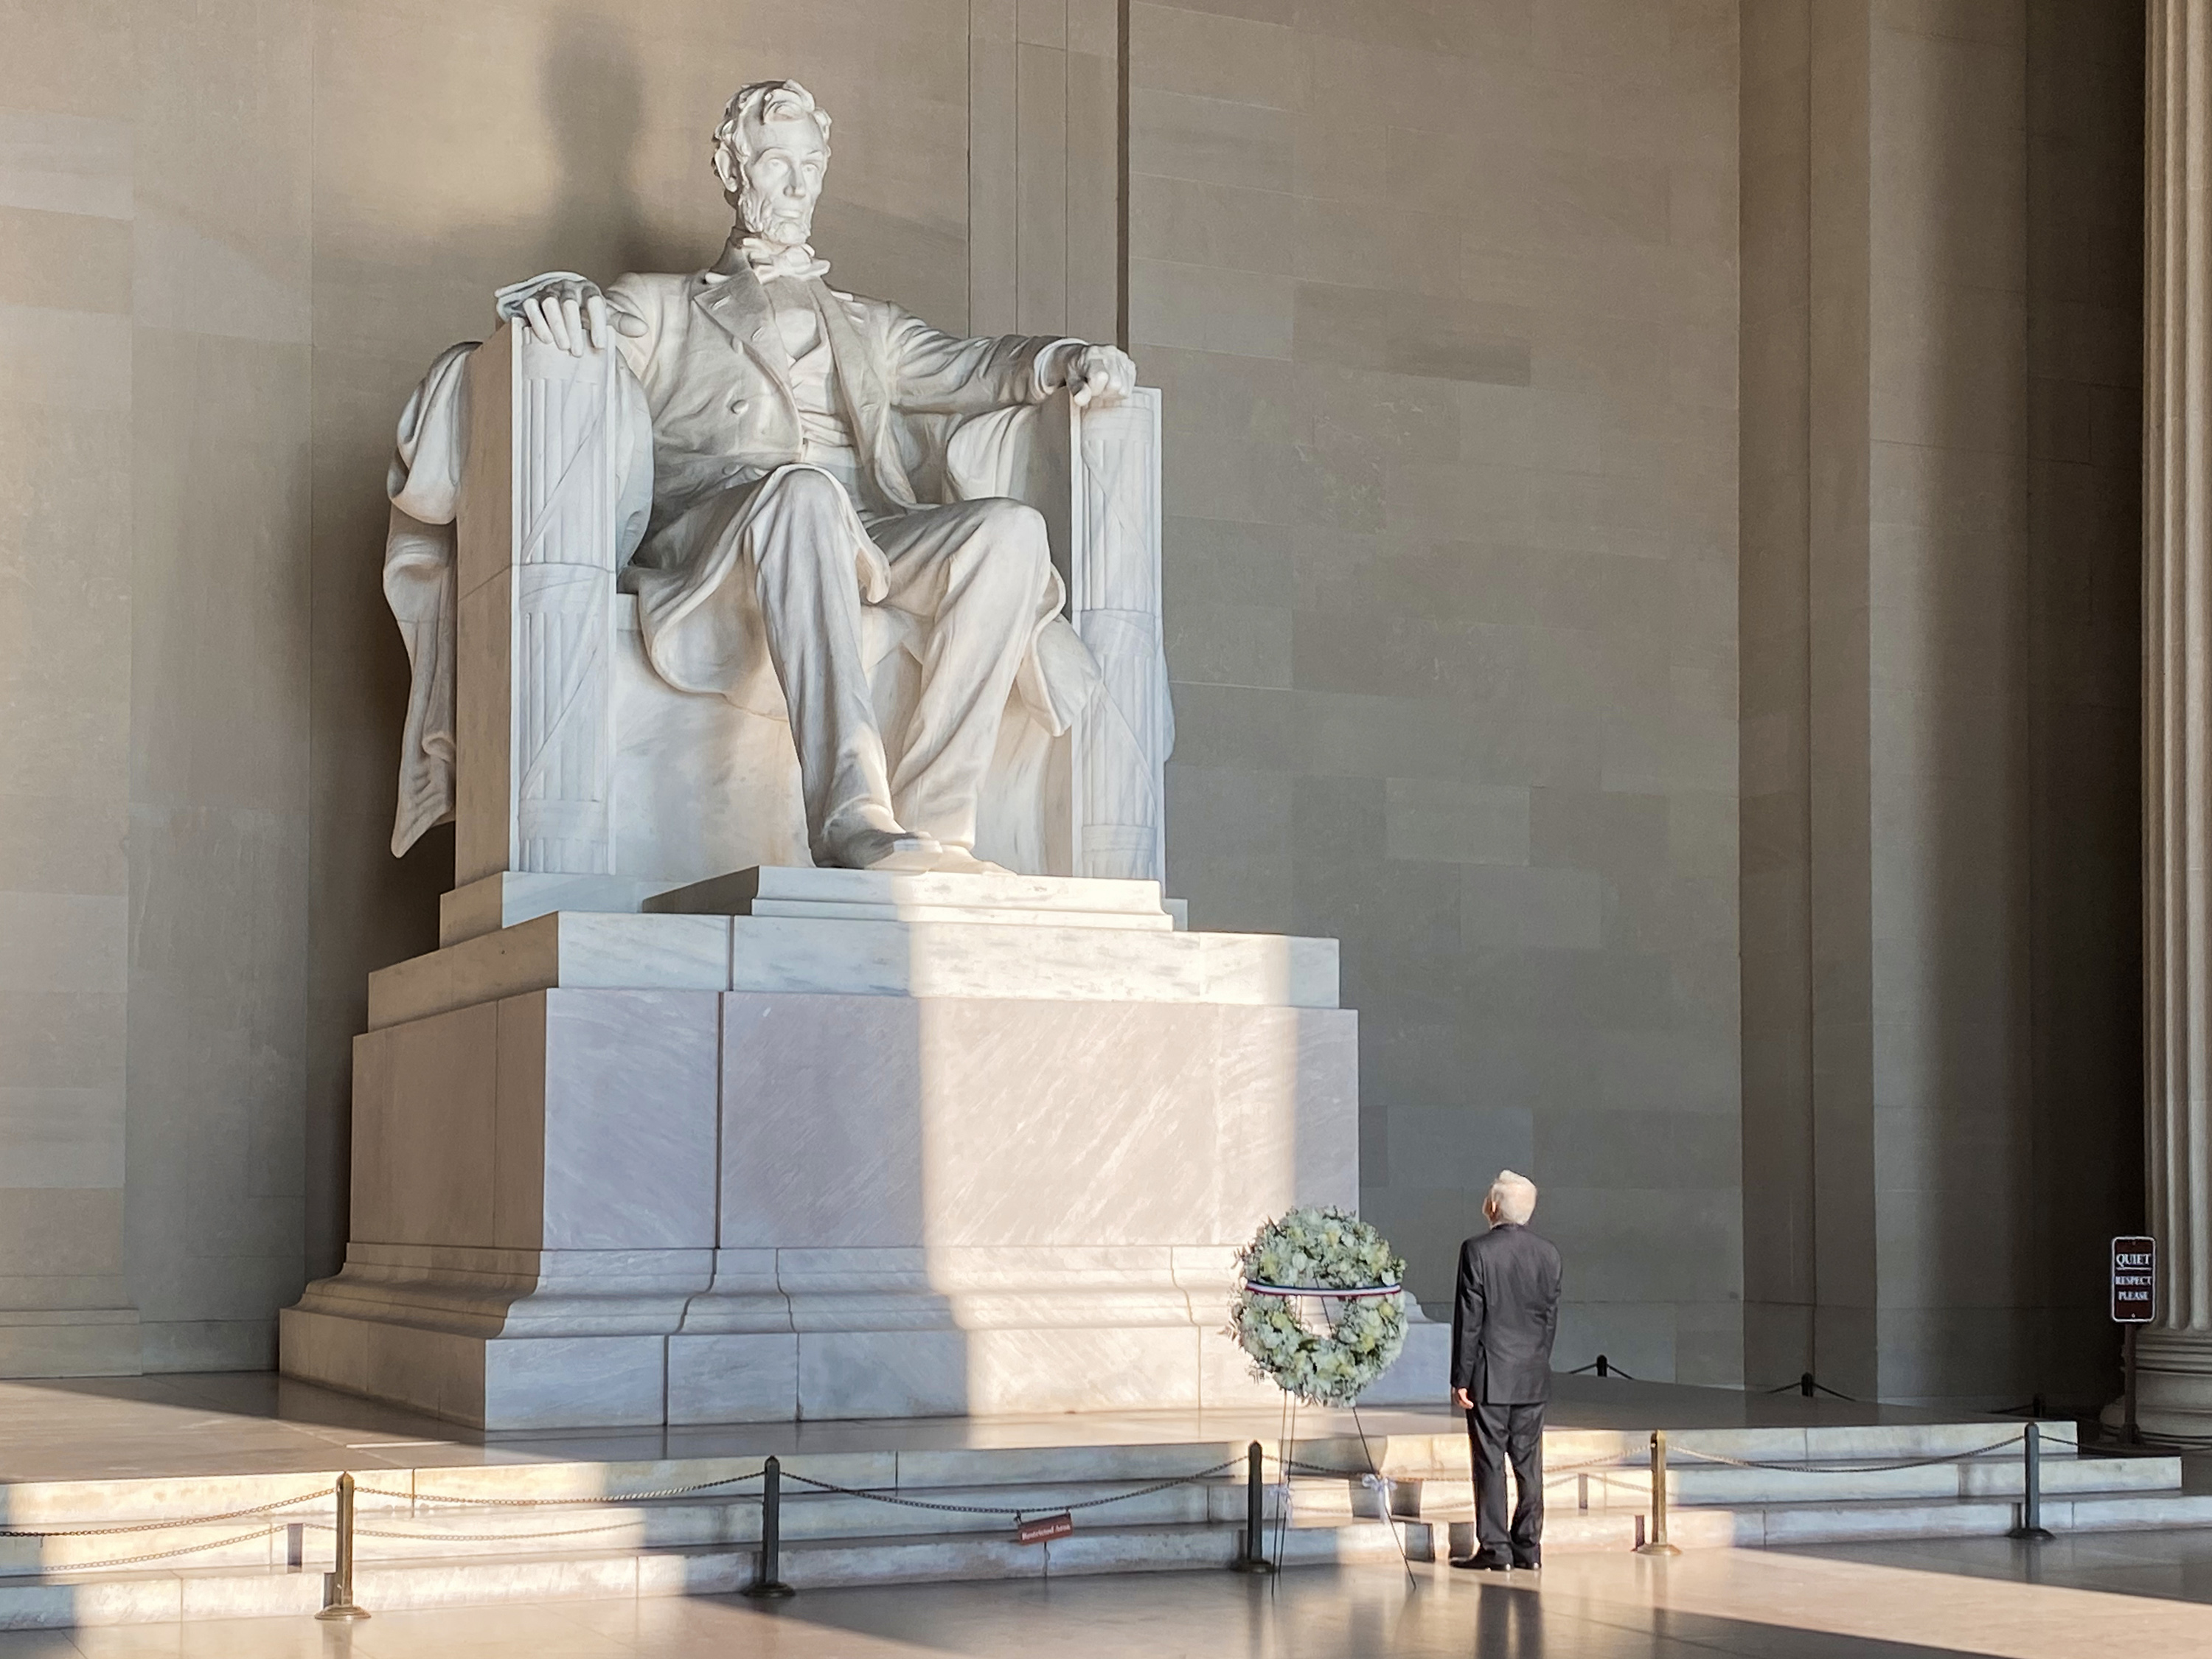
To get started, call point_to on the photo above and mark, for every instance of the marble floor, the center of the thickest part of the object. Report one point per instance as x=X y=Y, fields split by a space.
x=1880 y=1602
x=256 y=1423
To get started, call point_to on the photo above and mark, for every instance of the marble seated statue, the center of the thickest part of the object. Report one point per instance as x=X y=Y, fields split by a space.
x=706 y=580
x=703 y=572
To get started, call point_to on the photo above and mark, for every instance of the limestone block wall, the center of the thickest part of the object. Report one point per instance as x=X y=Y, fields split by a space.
x=1443 y=300
x=1942 y=970
x=153 y=369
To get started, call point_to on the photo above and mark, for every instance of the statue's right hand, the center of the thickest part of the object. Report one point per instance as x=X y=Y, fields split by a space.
x=565 y=311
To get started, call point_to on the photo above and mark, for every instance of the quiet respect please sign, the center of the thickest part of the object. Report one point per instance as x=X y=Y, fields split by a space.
x=2135 y=1280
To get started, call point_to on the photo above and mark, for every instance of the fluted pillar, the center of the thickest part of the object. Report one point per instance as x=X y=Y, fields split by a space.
x=2174 y=1355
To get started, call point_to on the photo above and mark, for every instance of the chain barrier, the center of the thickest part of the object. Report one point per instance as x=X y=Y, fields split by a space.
x=1033 y=1509
x=547 y=1503
x=164 y=1526
x=479 y=1537
x=454 y=1501
x=1880 y=1468
x=105 y=1562
x=1289 y=1467
x=1320 y=1472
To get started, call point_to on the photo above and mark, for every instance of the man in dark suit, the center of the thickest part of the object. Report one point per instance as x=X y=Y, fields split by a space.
x=1502 y=1324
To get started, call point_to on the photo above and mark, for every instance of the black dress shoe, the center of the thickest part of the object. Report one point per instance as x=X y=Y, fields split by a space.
x=1529 y=1563
x=1484 y=1562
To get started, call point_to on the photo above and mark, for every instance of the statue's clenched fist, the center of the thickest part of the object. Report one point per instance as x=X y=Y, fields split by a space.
x=565 y=311
x=1095 y=374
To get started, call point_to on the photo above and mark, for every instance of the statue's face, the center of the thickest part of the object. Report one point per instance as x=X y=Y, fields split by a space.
x=782 y=180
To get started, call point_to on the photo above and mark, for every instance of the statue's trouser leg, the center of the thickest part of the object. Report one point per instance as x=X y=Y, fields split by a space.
x=801 y=545
x=976 y=572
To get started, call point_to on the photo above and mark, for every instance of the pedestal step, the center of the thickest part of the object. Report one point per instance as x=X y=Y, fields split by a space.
x=454 y=1536
x=1053 y=957
x=62 y=1599
x=511 y=898
x=904 y=896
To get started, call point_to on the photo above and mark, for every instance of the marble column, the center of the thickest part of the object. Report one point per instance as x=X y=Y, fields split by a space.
x=2174 y=1355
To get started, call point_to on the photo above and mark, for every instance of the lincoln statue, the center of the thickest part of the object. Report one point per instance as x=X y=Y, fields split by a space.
x=781 y=504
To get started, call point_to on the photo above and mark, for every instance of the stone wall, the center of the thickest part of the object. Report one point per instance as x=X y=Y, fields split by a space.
x=1942 y=234
x=154 y=830
x=1443 y=301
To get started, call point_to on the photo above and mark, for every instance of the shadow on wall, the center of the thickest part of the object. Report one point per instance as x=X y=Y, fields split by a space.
x=592 y=93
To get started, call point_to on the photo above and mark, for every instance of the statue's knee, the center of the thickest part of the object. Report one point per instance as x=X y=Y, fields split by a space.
x=1019 y=544
x=1017 y=521
x=805 y=490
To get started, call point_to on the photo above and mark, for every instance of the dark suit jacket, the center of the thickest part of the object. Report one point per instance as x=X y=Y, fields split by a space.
x=1506 y=1315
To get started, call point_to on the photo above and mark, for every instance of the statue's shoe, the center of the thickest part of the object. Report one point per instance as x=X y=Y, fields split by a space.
x=959 y=861
x=918 y=853
x=866 y=848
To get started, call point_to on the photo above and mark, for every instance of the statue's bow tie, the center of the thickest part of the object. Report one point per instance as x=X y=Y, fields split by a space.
x=793 y=260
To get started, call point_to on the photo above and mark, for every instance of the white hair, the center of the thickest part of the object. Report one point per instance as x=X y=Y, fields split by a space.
x=763 y=103
x=1513 y=1197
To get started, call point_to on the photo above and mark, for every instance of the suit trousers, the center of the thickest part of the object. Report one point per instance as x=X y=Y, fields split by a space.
x=1496 y=1434
x=975 y=573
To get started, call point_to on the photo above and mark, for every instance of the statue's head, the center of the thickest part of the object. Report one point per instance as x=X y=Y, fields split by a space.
x=770 y=153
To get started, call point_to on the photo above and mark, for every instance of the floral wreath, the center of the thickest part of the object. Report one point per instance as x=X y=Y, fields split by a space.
x=1331 y=1259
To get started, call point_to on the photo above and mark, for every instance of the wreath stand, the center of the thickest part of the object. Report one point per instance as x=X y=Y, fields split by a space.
x=1286 y=1433
x=1309 y=1308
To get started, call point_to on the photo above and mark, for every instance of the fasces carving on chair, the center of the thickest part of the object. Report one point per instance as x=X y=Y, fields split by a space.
x=701 y=572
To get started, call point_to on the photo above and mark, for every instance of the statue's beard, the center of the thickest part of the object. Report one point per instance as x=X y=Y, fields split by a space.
x=772 y=220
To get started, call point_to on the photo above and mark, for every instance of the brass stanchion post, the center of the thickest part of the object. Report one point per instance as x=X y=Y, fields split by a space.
x=1658 y=1544
x=338 y=1592
x=769 y=1585
x=1255 y=1557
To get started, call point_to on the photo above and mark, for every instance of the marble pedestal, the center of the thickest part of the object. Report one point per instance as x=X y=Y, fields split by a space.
x=842 y=1146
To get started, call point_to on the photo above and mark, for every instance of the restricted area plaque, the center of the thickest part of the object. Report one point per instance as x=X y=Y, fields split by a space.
x=2135 y=1280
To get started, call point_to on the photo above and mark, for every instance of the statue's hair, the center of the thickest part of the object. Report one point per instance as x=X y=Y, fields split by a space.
x=1514 y=1195
x=765 y=102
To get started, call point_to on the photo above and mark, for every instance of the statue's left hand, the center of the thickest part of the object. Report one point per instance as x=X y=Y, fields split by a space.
x=1098 y=375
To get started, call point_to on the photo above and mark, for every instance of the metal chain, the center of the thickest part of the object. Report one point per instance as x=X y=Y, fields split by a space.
x=1620 y=1465
x=1848 y=1469
x=164 y=1555
x=1550 y=1468
x=546 y=1503
x=1031 y=1509
x=1613 y=1463
x=162 y=1526
x=479 y=1537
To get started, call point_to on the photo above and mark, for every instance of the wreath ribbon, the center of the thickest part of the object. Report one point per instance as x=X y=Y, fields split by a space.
x=1259 y=1289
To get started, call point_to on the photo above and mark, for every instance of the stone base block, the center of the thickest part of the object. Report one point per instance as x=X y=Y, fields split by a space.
x=503 y=1382
x=487 y=1382
x=581 y=1206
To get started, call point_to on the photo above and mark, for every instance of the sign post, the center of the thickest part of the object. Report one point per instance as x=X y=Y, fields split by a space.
x=2134 y=1299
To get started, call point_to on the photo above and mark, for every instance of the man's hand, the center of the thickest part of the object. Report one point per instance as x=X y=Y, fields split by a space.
x=1097 y=374
x=566 y=312
x=1460 y=1399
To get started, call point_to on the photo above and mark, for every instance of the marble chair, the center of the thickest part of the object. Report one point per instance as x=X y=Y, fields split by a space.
x=579 y=779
